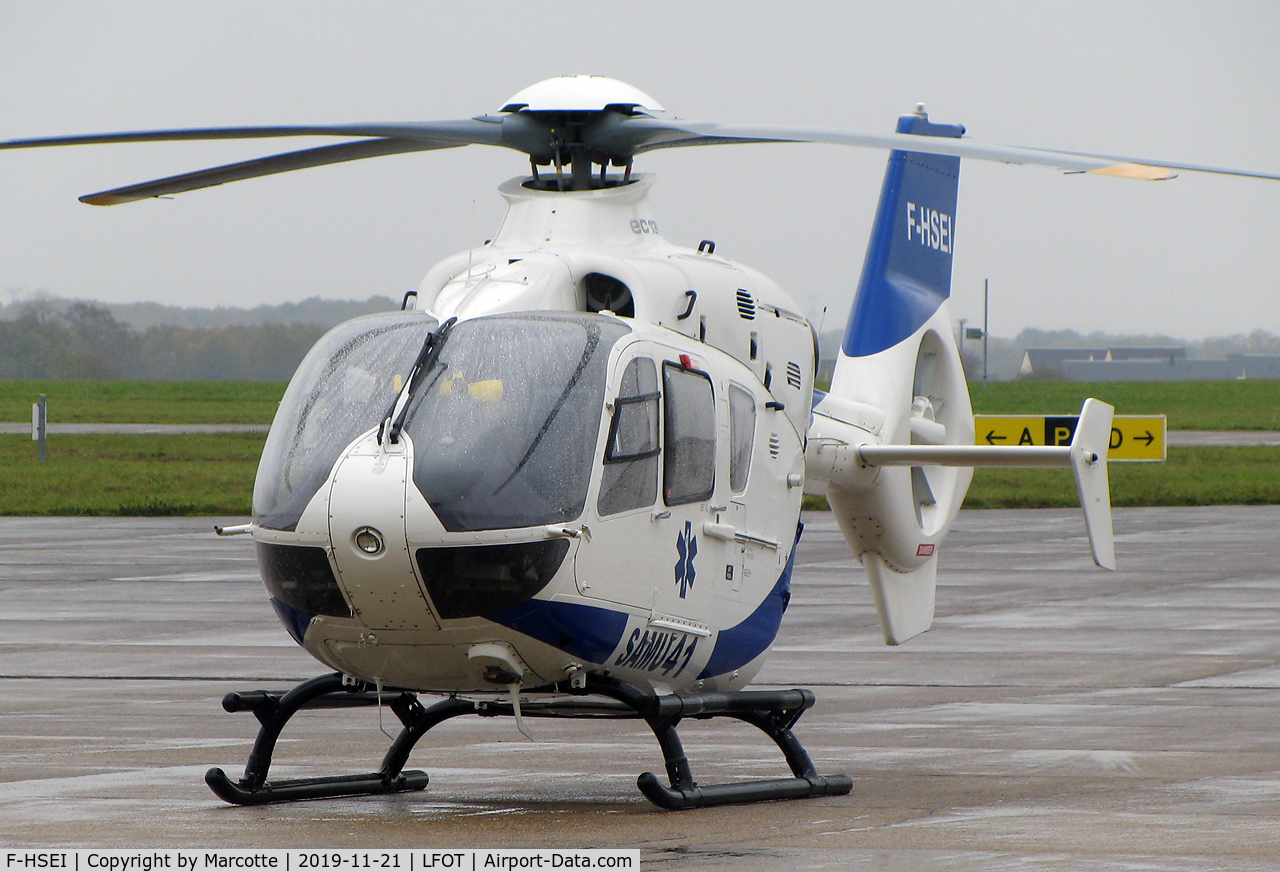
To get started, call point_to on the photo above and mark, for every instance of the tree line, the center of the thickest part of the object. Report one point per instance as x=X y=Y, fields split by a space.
x=44 y=337
x=83 y=341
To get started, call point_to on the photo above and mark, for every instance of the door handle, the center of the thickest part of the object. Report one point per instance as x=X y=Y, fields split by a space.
x=723 y=532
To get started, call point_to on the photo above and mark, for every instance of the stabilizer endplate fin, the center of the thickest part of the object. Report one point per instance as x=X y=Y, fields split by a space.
x=1089 y=463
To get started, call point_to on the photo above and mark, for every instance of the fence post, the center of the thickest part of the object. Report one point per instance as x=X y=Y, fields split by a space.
x=40 y=424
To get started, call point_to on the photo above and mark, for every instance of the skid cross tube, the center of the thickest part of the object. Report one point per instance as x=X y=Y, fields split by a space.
x=772 y=712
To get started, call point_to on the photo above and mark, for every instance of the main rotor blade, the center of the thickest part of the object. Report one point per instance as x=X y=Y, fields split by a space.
x=606 y=135
x=1173 y=165
x=486 y=130
x=712 y=133
x=641 y=133
x=263 y=166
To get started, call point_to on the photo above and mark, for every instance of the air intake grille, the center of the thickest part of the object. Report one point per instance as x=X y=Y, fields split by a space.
x=746 y=305
x=775 y=444
x=793 y=375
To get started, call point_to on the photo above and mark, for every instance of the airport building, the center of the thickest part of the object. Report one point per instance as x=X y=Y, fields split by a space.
x=1142 y=364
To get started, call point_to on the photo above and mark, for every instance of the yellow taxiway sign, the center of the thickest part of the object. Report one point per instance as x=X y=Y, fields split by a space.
x=1133 y=437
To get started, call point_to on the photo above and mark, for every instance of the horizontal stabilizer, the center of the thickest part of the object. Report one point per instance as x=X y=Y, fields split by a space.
x=1086 y=456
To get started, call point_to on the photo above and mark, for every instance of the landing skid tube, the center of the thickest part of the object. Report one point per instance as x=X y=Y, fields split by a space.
x=772 y=712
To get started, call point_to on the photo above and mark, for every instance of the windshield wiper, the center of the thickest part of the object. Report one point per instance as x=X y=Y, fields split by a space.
x=427 y=357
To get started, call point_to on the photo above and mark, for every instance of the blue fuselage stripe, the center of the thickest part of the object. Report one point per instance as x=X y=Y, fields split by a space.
x=588 y=632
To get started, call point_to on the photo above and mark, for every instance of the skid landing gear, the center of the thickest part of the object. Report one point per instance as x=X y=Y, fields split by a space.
x=772 y=712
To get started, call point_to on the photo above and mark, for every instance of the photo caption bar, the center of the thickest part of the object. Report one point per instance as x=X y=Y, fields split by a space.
x=296 y=860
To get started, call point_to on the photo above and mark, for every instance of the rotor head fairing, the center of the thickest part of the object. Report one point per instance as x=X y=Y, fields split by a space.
x=564 y=94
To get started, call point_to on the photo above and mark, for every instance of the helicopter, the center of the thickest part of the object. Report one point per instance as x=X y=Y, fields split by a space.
x=565 y=478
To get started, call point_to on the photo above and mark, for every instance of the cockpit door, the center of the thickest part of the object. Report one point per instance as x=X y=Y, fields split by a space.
x=616 y=562
x=648 y=545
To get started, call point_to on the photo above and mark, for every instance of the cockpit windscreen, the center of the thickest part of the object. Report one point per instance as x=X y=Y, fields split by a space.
x=504 y=425
x=343 y=387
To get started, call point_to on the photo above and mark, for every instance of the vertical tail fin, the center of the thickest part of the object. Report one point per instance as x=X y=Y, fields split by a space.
x=907 y=273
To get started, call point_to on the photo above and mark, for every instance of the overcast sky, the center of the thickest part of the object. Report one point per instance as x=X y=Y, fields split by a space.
x=1197 y=82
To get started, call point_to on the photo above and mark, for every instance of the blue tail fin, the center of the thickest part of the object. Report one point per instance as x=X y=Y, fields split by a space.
x=907 y=273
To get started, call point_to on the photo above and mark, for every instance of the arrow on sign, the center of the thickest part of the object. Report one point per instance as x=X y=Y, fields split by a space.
x=1133 y=437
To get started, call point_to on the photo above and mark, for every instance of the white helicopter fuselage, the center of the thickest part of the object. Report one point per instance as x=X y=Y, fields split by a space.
x=670 y=567
x=575 y=467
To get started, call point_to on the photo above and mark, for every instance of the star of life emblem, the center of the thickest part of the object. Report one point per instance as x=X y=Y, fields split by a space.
x=687 y=549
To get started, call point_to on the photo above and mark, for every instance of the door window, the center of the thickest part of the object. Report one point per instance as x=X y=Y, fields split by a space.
x=689 y=462
x=742 y=428
x=630 y=479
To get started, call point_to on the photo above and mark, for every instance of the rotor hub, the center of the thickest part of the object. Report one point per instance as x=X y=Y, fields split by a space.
x=568 y=122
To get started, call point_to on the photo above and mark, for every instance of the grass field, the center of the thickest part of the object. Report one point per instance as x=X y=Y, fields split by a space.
x=1207 y=405
x=213 y=474
x=133 y=402
x=1204 y=476
x=1217 y=405
x=194 y=474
